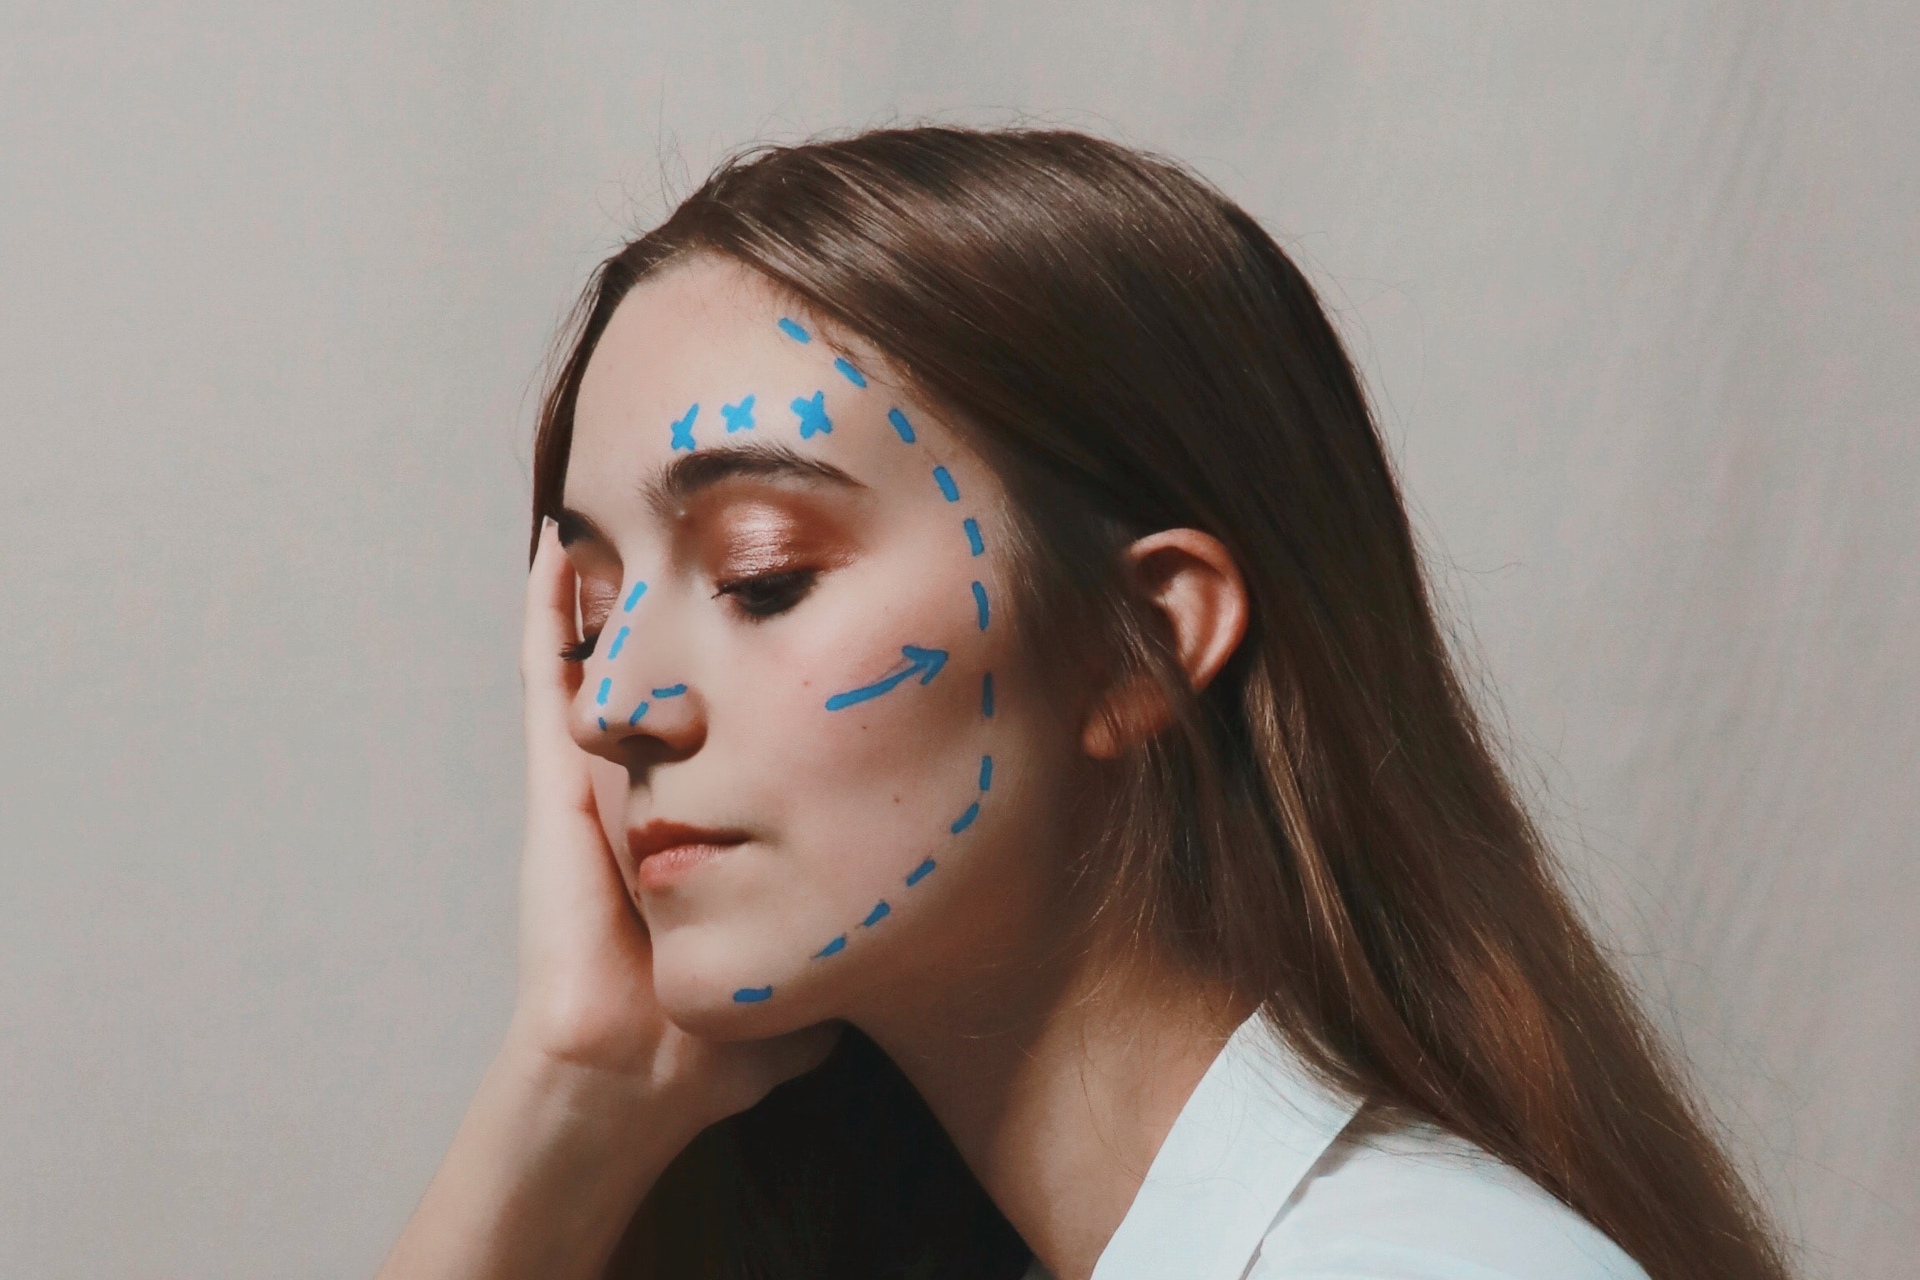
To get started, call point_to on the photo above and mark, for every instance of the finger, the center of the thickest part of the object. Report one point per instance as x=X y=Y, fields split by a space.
x=549 y=627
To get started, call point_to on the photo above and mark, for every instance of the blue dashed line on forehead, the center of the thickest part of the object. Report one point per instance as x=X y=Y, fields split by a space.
x=838 y=944
x=901 y=425
x=813 y=414
x=606 y=687
x=847 y=371
x=980 y=604
x=683 y=430
x=965 y=820
x=947 y=486
x=974 y=543
x=670 y=691
x=752 y=995
x=879 y=912
x=738 y=417
x=794 y=331
x=919 y=873
x=619 y=639
x=633 y=597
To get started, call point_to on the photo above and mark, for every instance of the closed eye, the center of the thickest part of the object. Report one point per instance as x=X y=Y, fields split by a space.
x=769 y=594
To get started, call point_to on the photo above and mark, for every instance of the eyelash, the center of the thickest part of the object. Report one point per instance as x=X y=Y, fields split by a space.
x=786 y=588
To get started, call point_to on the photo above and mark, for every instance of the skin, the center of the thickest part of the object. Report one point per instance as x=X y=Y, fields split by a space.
x=1056 y=1057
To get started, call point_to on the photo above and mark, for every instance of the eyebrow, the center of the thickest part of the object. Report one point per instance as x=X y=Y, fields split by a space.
x=684 y=477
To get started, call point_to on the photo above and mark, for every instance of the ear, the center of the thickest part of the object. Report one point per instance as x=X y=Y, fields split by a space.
x=1192 y=579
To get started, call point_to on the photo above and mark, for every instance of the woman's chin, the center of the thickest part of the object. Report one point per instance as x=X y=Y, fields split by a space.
x=715 y=993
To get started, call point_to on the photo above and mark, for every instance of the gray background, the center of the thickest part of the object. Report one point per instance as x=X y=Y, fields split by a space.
x=1634 y=284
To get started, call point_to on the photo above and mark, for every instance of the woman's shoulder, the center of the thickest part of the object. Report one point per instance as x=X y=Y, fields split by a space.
x=1413 y=1202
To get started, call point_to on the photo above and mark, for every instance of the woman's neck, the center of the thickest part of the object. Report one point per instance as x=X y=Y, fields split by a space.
x=1059 y=1083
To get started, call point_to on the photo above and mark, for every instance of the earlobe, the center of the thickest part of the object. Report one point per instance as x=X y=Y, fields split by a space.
x=1193 y=581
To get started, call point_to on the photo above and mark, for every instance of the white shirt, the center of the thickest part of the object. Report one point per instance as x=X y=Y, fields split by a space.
x=1256 y=1181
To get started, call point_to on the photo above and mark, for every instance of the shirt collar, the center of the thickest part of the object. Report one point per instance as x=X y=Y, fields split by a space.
x=1251 y=1129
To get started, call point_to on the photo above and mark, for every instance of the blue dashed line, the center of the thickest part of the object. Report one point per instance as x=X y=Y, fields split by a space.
x=851 y=374
x=986 y=773
x=606 y=687
x=752 y=995
x=603 y=723
x=619 y=638
x=671 y=691
x=633 y=597
x=965 y=820
x=980 y=604
x=901 y=425
x=919 y=873
x=972 y=527
x=637 y=713
x=879 y=912
x=947 y=486
x=794 y=331
x=832 y=948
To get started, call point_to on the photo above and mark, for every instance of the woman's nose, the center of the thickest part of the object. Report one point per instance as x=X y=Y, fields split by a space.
x=629 y=692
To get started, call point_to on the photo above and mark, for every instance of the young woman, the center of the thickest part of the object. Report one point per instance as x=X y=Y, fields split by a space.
x=999 y=801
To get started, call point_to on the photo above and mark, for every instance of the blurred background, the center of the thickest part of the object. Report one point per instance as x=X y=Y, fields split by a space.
x=1635 y=286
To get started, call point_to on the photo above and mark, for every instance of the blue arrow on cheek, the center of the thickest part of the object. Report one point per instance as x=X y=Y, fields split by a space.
x=925 y=663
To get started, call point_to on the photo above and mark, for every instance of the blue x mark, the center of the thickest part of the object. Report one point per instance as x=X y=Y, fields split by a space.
x=813 y=414
x=739 y=416
x=683 y=431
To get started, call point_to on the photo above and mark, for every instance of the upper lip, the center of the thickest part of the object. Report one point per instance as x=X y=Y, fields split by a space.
x=649 y=839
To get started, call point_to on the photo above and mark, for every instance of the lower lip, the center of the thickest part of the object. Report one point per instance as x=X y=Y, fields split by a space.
x=663 y=870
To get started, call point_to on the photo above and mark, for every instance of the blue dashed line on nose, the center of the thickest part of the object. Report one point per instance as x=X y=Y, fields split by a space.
x=901 y=425
x=606 y=687
x=853 y=375
x=965 y=820
x=919 y=873
x=671 y=691
x=980 y=604
x=831 y=948
x=752 y=995
x=603 y=723
x=637 y=713
x=633 y=597
x=619 y=638
x=880 y=909
x=947 y=486
x=794 y=331
x=986 y=773
x=972 y=527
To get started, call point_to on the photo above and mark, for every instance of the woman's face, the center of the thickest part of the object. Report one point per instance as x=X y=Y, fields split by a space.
x=798 y=585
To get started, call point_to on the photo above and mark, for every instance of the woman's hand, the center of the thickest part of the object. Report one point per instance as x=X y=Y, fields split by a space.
x=586 y=997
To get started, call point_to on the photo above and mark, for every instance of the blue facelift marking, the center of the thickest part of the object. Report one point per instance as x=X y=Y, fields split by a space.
x=739 y=417
x=947 y=486
x=925 y=663
x=683 y=431
x=965 y=820
x=972 y=527
x=919 y=873
x=794 y=331
x=986 y=773
x=980 y=604
x=603 y=723
x=837 y=945
x=901 y=425
x=813 y=415
x=633 y=597
x=619 y=638
x=606 y=687
x=637 y=713
x=986 y=695
x=847 y=371
x=671 y=691
x=752 y=995
x=880 y=909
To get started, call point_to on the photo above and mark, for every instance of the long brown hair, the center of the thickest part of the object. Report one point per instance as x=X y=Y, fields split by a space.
x=1326 y=830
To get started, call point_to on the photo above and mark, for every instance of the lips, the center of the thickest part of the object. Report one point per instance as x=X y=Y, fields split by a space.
x=662 y=850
